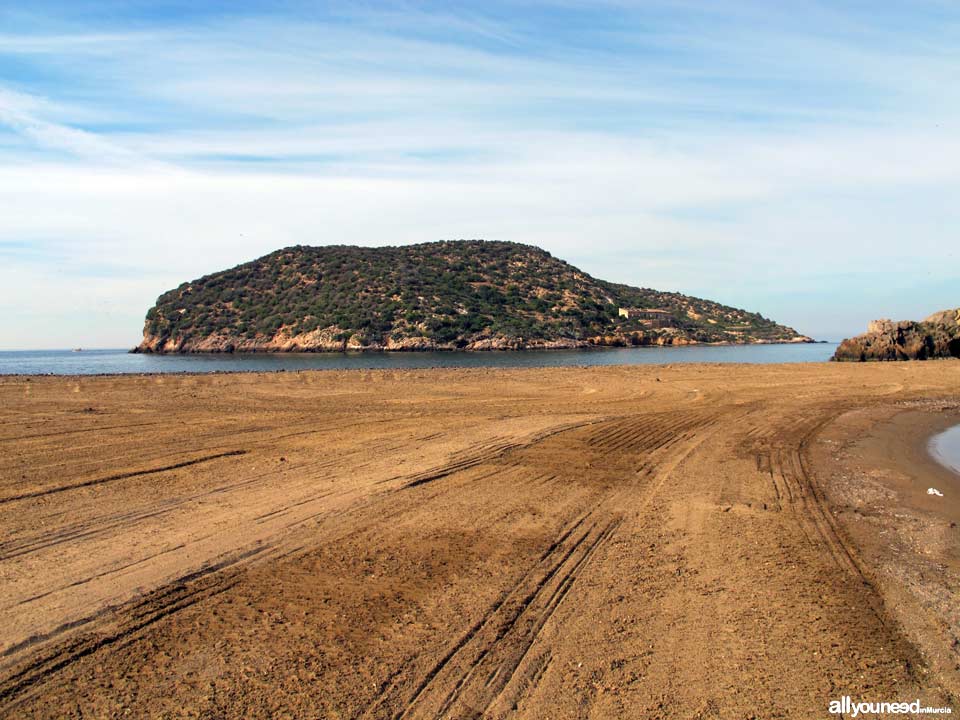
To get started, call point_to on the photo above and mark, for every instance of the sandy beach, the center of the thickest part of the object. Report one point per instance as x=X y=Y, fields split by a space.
x=694 y=541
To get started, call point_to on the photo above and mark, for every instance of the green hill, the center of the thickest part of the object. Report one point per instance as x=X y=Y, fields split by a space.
x=470 y=294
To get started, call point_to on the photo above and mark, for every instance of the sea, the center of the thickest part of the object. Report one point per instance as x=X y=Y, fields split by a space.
x=119 y=361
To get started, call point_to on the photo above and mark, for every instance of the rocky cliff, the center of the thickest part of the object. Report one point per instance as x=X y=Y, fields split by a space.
x=936 y=337
x=461 y=295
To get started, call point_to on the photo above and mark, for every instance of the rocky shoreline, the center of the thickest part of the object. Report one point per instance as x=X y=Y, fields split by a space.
x=938 y=336
x=313 y=343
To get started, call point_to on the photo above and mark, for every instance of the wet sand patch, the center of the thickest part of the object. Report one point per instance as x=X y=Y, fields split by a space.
x=877 y=468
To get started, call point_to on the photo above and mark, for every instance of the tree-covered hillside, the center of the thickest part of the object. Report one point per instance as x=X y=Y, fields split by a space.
x=469 y=294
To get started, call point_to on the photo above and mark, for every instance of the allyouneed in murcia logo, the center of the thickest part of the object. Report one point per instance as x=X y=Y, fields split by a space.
x=846 y=706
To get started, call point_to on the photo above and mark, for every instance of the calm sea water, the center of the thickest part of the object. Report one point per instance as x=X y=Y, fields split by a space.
x=94 y=362
x=945 y=447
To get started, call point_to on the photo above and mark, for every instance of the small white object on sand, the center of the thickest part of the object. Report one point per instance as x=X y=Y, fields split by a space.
x=934 y=491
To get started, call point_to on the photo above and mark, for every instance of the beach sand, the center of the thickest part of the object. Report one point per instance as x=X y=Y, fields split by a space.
x=709 y=541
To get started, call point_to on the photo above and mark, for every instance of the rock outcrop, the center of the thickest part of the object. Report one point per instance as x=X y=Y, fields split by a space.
x=936 y=337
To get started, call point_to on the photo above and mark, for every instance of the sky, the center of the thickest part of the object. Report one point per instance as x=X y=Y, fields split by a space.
x=799 y=158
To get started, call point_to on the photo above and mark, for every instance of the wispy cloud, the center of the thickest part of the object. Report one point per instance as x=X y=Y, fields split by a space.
x=24 y=115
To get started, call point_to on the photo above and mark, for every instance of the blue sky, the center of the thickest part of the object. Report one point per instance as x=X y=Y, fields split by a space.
x=801 y=159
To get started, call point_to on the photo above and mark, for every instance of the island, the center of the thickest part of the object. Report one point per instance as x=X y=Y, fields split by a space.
x=447 y=295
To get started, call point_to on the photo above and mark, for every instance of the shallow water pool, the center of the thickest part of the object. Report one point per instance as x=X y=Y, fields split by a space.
x=945 y=447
